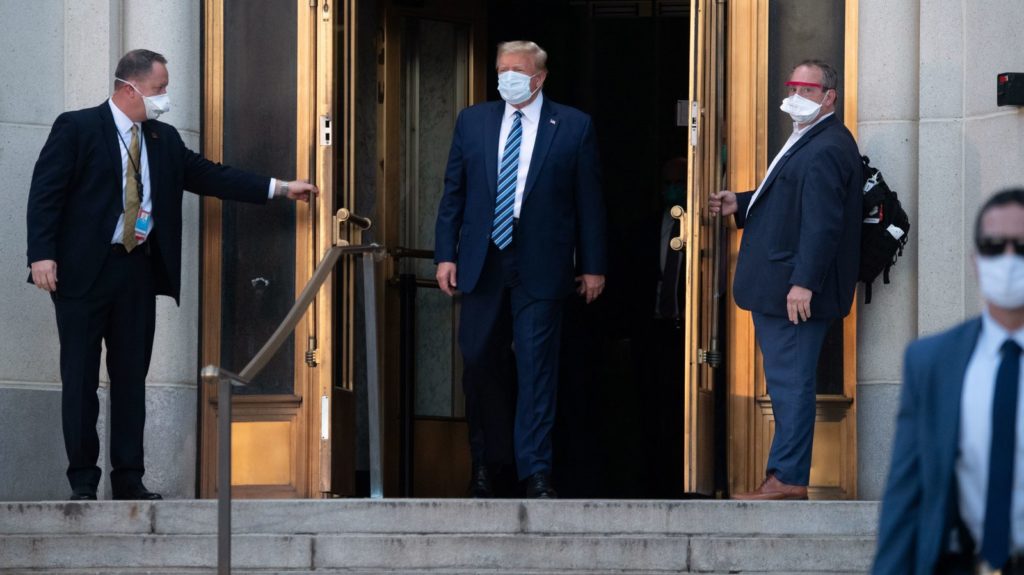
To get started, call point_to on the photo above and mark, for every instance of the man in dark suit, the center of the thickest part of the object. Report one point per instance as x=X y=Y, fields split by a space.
x=798 y=264
x=522 y=211
x=104 y=238
x=954 y=503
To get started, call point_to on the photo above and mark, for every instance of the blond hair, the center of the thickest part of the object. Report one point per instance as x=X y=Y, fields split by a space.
x=540 y=57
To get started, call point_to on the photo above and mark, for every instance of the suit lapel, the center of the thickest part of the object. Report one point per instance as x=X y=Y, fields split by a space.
x=545 y=134
x=789 y=154
x=154 y=148
x=492 y=132
x=112 y=143
x=948 y=394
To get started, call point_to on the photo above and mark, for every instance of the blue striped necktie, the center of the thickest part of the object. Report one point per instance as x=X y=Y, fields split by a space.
x=508 y=172
x=996 y=533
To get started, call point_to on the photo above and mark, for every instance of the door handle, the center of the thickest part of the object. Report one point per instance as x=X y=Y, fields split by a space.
x=344 y=216
x=679 y=242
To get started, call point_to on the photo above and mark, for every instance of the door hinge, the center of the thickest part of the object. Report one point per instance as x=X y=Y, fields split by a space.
x=325 y=131
x=711 y=357
x=312 y=353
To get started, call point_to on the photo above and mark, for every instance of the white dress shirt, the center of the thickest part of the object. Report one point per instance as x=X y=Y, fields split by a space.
x=793 y=138
x=976 y=435
x=124 y=128
x=530 y=122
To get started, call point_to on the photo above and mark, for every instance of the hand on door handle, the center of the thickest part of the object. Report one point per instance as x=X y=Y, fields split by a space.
x=296 y=190
x=724 y=202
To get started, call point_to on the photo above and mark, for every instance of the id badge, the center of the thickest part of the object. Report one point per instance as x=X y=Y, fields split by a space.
x=143 y=224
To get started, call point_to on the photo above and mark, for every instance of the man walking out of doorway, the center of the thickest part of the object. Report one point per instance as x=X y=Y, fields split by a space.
x=798 y=264
x=521 y=213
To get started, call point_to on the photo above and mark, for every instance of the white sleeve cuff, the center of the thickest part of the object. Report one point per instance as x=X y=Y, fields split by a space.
x=273 y=186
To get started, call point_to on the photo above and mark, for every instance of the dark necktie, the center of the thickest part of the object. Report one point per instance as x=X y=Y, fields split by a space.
x=508 y=172
x=131 y=193
x=995 y=548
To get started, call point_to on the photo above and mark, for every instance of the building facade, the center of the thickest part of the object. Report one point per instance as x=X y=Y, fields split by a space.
x=924 y=104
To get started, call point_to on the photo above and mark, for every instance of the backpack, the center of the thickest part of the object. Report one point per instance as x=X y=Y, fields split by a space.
x=884 y=230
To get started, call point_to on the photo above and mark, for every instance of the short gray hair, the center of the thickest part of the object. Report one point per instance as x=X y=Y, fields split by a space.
x=137 y=64
x=540 y=57
x=829 y=76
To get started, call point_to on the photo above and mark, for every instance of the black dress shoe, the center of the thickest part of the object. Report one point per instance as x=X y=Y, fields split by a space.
x=83 y=496
x=480 y=483
x=139 y=493
x=538 y=486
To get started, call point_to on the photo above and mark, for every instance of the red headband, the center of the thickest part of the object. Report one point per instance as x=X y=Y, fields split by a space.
x=808 y=84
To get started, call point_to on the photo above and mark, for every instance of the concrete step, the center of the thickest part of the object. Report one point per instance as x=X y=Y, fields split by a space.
x=441 y=536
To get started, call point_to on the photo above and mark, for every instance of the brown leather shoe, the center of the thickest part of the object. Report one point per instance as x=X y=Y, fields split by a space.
x=772 y=489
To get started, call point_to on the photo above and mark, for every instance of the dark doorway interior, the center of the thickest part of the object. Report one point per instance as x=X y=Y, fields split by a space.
x=619 y=432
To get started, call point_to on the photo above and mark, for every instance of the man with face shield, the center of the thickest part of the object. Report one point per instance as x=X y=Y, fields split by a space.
x=520 y=227
x=104 y=239
x=797 y=265
x=954 y=502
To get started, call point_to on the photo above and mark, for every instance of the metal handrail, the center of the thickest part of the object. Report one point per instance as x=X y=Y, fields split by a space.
x=225 y=380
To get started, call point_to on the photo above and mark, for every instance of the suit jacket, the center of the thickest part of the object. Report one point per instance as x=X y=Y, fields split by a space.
x=920 y=498
x=562 y=217
x=76 y=196
x=804 y=228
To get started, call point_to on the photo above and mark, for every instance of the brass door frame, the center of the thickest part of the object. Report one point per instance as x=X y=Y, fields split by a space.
x=703 y=175
x=747 y=112
x=296 y=409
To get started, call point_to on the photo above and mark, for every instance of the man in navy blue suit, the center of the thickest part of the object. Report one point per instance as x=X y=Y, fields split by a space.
x=954 y=503
x=104 y=239
x=798 y=264
x=521 y=225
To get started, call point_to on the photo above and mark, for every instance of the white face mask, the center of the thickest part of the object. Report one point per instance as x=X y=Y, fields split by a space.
x=514 y=87
x=1001 y=279
x=155 y=105
x=800 y=109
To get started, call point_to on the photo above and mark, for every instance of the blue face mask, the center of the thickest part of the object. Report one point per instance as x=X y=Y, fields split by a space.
x=514 y=87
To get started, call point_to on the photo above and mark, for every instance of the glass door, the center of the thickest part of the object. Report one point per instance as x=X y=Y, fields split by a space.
x=261 y=101
x=432 y=68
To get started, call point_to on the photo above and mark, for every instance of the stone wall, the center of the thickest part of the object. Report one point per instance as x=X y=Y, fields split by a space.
x=928 y=119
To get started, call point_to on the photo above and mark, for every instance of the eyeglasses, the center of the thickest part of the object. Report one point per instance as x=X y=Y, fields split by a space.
x=804 y=88
x=996 y=246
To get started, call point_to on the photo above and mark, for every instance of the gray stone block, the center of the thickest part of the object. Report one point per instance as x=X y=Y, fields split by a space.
x=699 y=517
x=152 y=552
x=31 y=33
x=780 y=555
x=344 y=516
x=89 y=518
x=171 y=440
x=499 y=552
x=876 y=428
x=33 y=444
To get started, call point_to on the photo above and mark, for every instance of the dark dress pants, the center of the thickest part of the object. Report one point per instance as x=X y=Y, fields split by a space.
x=120 y=310
x=791 y=354
x=507 y=415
